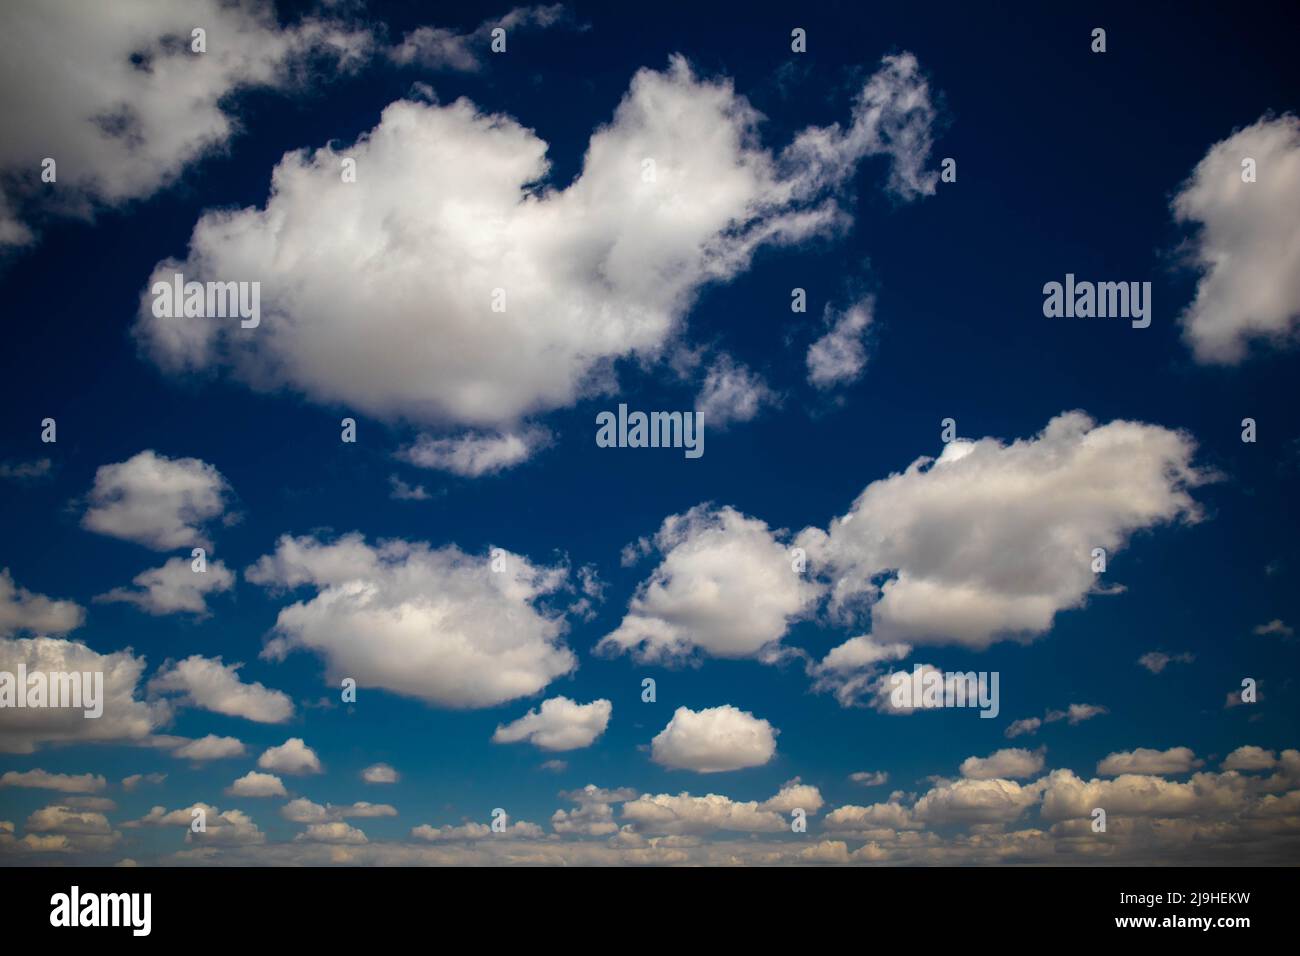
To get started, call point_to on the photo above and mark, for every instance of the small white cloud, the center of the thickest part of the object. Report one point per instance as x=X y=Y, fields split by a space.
x=293 y=757
x=209 y=684
x=254 y=784
x=714 y=740
x=560 y=724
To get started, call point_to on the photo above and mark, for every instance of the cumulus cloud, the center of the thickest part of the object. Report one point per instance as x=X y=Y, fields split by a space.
x=440 y=625
x=133 y=781
x=794 y=794
x=1009 y=763
x=293 y=757
x=380 y=773
x=687 y=814
x=62 y=782
x=140 y=106
x=21 y=610
x=713 y=740
x=254 y=784
x=174 y=587
x=476 y=831
x=452 y=206
x=840 y=356
x=156 y=501
x=990 y=541
x=209 y=684
x=726 y=587
x=302 y=810
x=1246 y=242
x=124 y=718
x=731 y=393
x=1250 y=758
x=560 y=724
x=24 y=471
x=594 y=813
x=210 y=747
x=1145 y=760
x=1026 y=725
x=223 y=828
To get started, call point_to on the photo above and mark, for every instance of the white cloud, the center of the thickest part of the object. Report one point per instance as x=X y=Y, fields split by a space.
x=686 y=814
x=156 y=501
x=303 y=810
x=62 y=782
x=1250 y=758
x=1145 y=760
x=174 y=587
x=132 y=782
x=476 y=831
x=726 y=587
x=254 y=784
x=32 y=470
x=124 y=718
x=224 y=828
x=1010 y=763
x=713 y=740
x=336 y=832
x=474 y=454
x=441 y=626
x=1025 y=518
x=380 y=773
x=1157 y=661
x=211 y=685
x=794 y=794
x=1026 y=725
x=139 y=106
x=1246 y=245
x=401 y=491
x=21 y=610
x=561 y=724
x=976 y=801
x=840 y=356
x=210 y=747
x=870 y=778
x=731 y=393
x=1075 y=713
x=1274 y=626
x=441 y=48
x=293 y=757
x=451 y=204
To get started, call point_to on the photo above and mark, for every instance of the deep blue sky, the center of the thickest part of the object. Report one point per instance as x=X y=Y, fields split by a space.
x=1067 y=163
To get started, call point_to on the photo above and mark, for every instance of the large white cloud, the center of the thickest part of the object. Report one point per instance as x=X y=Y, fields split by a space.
x=560 y=724
x=207 y=683
x=1247 y=244
x=990 y=541
x=438 y=625
x=714 y=740
x=156 y=501
x=113 y=93
x=125 y=717
x=451 y=203
x=727 y=587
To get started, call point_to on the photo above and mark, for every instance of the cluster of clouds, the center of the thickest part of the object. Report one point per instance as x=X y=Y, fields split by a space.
x=1001 y=808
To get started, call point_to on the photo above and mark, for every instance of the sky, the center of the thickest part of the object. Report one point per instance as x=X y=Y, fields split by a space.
x=430 y=599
